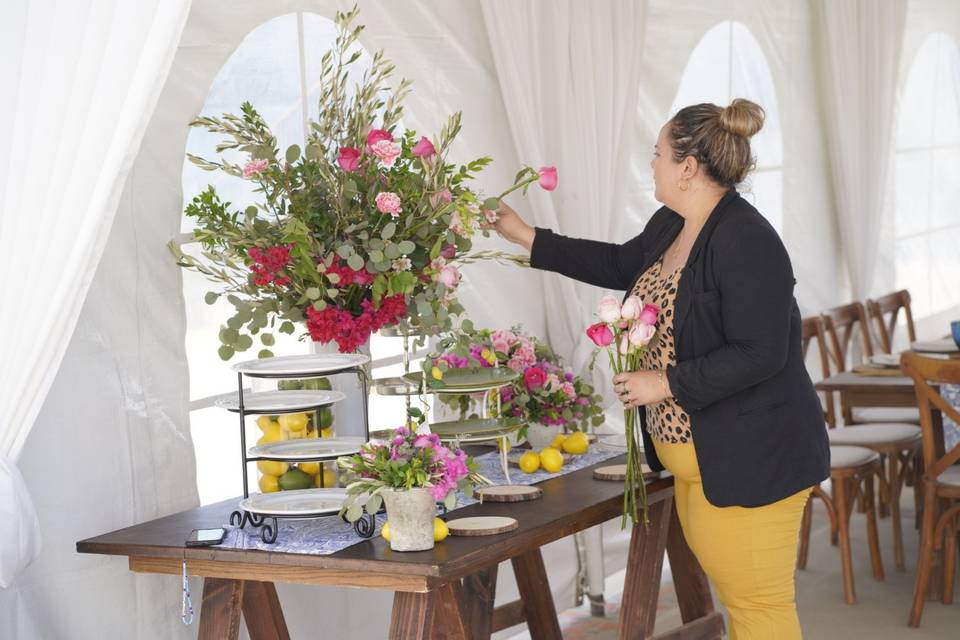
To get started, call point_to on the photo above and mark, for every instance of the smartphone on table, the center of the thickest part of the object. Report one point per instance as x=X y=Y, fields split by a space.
x=206 y=537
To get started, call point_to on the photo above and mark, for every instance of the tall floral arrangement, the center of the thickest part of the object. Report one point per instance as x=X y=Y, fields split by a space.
x=624 y=332
x=358 y=230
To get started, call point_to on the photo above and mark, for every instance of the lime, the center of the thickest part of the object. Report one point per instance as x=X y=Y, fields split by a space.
x=325 y=417
x=295 y=479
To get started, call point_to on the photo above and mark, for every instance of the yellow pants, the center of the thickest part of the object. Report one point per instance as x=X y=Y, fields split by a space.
x=749 y=553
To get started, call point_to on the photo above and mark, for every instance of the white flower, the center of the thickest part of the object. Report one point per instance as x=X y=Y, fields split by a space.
x=402 y=264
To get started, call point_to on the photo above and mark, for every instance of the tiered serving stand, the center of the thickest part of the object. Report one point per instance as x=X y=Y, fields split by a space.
x=263 y=511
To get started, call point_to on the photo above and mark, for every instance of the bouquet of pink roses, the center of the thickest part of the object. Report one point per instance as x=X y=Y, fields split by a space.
x=624 y=331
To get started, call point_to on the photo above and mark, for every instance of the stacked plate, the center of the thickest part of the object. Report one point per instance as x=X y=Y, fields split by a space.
x=475 y=429
x=467 y=380
x=277 y=402
x=291 y=504
x=306 y=449
x=309 y=365
x=944 y=346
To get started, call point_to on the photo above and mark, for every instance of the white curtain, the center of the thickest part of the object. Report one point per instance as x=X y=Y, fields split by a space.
x=569 y=75
x=860 y=43
x=81 y=79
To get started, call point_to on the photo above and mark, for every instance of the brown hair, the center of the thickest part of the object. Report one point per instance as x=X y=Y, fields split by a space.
x=718 y=138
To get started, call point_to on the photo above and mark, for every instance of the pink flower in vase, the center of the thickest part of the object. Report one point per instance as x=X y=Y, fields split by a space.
x=424 y=148
x=387 y=151
x=378 y=135
x=349 y=159
x=548 y=178
x=440 y=198
x=449 y=276
x=254 y=168
x=534 y=378
x=389 y=202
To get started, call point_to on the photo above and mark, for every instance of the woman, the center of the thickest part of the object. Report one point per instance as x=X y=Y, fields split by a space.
x=729 y=408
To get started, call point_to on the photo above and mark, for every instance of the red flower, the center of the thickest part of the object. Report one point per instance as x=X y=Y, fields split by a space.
x=349 y=159
x=534 y=377
x=268 y=265
x=600 y=333
x=377 y=135
x=424 y=148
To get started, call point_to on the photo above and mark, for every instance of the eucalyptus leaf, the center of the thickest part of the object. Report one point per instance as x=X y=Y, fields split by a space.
x=376 y=256
x=450 y=502
x=228 y=336
x=374 y=503
x=286 y=327
x=355 y=262
x=491 y=204
x=293 y=153
x=313 y=293
x=391 y=251
x=345 y=251
x=225 y=352
x=376 y=243
x=388 y=230
x=354 y=512
x=265 y=353
x=268 y=340
x=406 y=246
x=244 y=342
x=211 y=297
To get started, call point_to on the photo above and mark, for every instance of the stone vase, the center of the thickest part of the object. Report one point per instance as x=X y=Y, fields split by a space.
x=410 y=514
x=540 y=436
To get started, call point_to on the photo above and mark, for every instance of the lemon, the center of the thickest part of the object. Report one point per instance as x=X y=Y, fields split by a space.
x=269 y=484
x=558 y=441
x=576 y=443
x=293 y=421
x=327 y=433
x=312 y=468
x=296 y=435
x=440 y=530
x=329 y=479
x=313 y=433
x=385 y=532
x=263 y=422
x=551 y=460
x=501 y=443
x=272 y=467
x=529 y=462
x=437 y=373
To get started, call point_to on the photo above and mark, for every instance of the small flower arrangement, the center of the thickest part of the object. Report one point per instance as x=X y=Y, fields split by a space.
x=624 y=332
x=407 y=461
x=546 y=392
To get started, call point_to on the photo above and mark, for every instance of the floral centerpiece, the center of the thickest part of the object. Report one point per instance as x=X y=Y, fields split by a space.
x=358 y=230
x=547 y=393
x=412 y=473
x=624 y=332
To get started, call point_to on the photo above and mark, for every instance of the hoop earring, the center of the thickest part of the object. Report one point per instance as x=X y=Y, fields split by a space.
x=683 y=185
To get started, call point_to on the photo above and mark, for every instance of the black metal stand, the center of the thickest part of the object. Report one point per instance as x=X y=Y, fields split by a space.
x=269 y=525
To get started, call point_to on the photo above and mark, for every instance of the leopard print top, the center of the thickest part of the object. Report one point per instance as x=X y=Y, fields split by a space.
x=666 y=421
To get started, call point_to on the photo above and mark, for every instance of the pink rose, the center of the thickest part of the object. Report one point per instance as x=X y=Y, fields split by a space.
x=440 y=198
x=568 y=390
x=449 y=277
x=600 y=333
x=631 y=308
x=534 y=378
x=456 y=224
x=253 y=168
x=389 y=202
x=502 y=340
x=548 y=178
x=641 y=334
x=387 y=151
x=448 y=251
x=624 y=344
x=378 y=135
x=609 y=309
x=349 y=159
x=649 y=314
x=424 y=148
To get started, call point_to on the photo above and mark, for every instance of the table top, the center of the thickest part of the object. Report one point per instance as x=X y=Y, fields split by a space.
x=570 y=503
x=850 y=381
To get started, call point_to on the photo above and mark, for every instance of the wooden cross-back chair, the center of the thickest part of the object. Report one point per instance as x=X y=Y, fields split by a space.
x=891 y=304
x=941 y=475
x=841 y=324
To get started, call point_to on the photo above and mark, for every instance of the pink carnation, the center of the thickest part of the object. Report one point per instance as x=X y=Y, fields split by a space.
x=387 y=151
x=502 y=340
x=253 y=168
x=389 y=202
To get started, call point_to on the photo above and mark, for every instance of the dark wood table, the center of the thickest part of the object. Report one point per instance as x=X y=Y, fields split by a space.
x=447 y=592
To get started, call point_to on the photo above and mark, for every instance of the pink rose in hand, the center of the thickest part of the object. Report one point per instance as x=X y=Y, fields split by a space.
x=424 y=148
x=449 y=277
x=534 y=378
x=253 y=168
x=631 y=308
x=624 y=344
x=349 y=159
x=389 y=202
x=609 y=309
x=600 y=333
x=649 y=314
x=548 y=178
x=641 y=334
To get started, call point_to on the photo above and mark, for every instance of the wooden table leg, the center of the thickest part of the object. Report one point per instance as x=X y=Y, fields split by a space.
x=641 y=587
x=412 y=617
x=534 y=587
x=220 y=611
x=262 y=612
x=479 y=593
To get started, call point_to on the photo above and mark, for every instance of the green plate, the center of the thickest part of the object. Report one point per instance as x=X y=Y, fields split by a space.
x=476 y=427
x=470 y=379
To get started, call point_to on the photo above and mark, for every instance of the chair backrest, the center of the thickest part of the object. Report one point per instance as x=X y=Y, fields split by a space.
x=811 y=329
x=840 y=324
x=925 y=371
x=891 y=304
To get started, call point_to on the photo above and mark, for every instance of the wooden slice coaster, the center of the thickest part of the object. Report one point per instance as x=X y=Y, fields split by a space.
x=618 y=472
x=509 y=493
x=481 y=526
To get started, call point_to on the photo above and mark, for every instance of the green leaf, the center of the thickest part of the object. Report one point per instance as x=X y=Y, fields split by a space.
x=376 y=256
x=286 y=327
x=319 y=305
x=225 y=352
x=491 y=204
x=406 y=246
x=345 y=251
x=265 y=353
x=211 y=297
x=334 y=278
x=374 y=503
x=388 y=230
x=244 y=342
x=293 y=153
x=467 y=325
x=391 y=251
x=313 y=293
x=267 y=339
x=450 y=502
x=354 y=512
x=332 y=293
x=355 y=262
x=228 y=336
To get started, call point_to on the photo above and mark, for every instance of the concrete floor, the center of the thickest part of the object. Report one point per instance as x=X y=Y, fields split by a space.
x=880 y=613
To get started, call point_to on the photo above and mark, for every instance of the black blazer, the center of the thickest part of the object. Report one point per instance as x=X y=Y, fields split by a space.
x=756 y=420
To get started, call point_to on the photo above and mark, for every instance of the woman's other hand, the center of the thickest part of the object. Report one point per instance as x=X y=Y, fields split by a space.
x=640 y=388
x=510 y=226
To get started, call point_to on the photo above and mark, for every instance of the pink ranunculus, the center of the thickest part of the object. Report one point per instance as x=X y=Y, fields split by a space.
x=534 y=378
x=641 y=334
x=378 y=135
x=609 y=309
x=600 y=333
x=349 y=159
x=548 y=178
x=254 y=168
x=387 y=151
x=502 y=340
x=449 y=277
x=440 y=198
x=568 y=390
x=424 y=148
x=649 y=314
x=389 y=202
x=631 y=308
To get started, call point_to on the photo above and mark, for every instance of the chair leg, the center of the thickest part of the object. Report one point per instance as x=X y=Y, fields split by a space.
x=873 y=539
x=917 y=490
x=949 y=563
x=885 y=492
x=834 y=524
x=843 y=528
x=926 y=554
x=806 y=523
x=893 y=491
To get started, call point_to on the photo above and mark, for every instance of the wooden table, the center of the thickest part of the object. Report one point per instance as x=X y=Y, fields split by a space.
x=447 y=592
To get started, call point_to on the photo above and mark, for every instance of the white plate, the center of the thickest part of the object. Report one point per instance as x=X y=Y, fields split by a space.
x=279 y=401
x=886 y=360
x=947 y=345
x=616 y=442
x=307 y=448
x=303 y=502
x=305 y=365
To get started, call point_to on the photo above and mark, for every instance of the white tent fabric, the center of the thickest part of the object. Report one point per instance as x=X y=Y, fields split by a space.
x=83 y=88
x=860 y=45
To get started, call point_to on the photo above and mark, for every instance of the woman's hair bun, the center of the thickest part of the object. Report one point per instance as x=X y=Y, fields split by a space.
x=742 y=118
